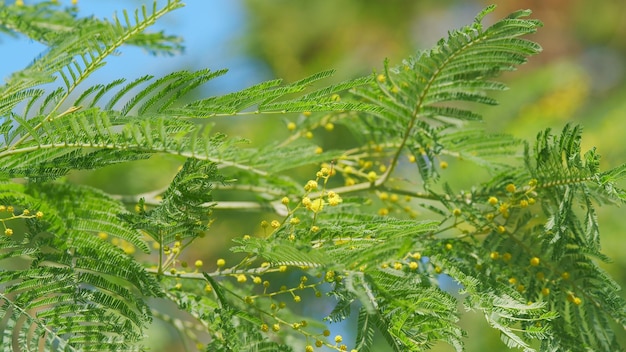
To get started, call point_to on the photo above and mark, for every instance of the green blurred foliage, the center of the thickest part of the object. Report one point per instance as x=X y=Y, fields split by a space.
x=295 y=38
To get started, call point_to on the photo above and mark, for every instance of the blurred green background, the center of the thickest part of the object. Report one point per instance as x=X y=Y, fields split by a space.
x=580 y=77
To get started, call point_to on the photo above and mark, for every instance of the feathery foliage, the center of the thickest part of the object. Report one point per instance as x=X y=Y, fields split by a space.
x=522 y=247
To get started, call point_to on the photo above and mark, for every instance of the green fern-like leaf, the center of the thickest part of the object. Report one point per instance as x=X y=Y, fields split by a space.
x=415 y=98
x=562 y=237
x=567 y=178
x=365 y=331
x=77 y=49
x=69 y=288
x=63 y=286
x=47 y=23
x=185 y=206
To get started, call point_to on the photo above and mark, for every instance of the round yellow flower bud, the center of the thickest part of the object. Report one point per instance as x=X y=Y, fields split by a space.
x=372 y=176
x=317 y=205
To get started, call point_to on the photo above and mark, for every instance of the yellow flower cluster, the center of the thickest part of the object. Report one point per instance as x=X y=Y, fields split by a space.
x=26 y=214
x=515 y=198
x=333 y=198
x=313 y=205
